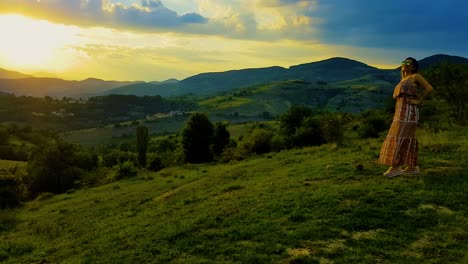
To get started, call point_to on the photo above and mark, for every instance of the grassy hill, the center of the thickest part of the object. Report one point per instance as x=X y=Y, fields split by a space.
x=326 y=204
x=351 y=96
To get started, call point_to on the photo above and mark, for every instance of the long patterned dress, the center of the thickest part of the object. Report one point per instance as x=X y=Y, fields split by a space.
x=401 y=145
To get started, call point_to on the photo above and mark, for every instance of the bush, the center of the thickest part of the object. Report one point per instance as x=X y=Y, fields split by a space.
x=230 y=154
x=372 y=124
x=3 y=136
x=309 y=134
x=155 y=164
x=114 y=157
x=126 y=170
x=57 y=167
x=278 y=143
x=259 y=141
x=293 y=118
x=333 y=127
x=221 y=138
x=13 y=153
x=11 y=190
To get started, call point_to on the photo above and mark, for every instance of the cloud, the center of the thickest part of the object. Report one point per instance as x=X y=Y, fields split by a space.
x=243 y=19
x=148 y=15
x=394 y=24
x=416 y=24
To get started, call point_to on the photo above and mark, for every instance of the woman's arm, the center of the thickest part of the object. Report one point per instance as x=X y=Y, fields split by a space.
x=427 y=88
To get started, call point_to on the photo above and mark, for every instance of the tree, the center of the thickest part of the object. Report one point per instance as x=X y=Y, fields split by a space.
x=310 y=133
x=221 y=137
x=333 y=126
x=197 y=137
x=450 y=82
x=142 y=145
x=3 y=136
x=57 y=167
x=293 y=118
x=258 y=141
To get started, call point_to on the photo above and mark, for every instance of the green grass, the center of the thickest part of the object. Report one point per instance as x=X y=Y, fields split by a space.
x=225 y=102
x=11 y=164
x=109 y=134
x=326 y=204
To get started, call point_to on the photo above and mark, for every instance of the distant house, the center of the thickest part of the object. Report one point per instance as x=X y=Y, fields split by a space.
x=62 y=113
x=175 y=113
x=37 y=114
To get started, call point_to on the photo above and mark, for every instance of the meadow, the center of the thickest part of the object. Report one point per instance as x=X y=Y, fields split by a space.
x=325 y=204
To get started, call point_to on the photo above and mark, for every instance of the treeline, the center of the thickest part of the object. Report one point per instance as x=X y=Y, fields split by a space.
x=71 y=114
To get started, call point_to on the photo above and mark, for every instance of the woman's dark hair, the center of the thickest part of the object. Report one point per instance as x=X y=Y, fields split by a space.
x=415 y=64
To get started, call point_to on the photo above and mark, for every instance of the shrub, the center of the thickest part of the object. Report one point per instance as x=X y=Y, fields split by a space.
x=372 y=124
x=293 y=119
x=333 y=127
x=10 y=191
x=114 y=157
x=155 y=164
x=259 y=141
x=309 y=134
x=57 y=167
x=3 y=136
x=126 y=170
x=13 y=153
x=278 y=143
x=221 y=137
x=230 y=153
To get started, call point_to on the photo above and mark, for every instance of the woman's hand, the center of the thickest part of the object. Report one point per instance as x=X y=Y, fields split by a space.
x=414 y=101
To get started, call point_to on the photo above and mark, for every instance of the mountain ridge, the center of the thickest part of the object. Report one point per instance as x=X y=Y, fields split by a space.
x=8 y=74
x=334 y=69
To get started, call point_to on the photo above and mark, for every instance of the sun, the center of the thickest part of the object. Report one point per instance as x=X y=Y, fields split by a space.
x=30 y=44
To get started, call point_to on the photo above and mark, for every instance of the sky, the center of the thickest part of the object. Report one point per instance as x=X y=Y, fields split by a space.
x=154 y=40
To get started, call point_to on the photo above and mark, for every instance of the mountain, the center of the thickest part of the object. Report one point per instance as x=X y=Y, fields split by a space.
x=330 y=70
x=149 y=89
x=55 y=87
x=172 y=80
x=321 y=72
x=6 y=74
x=435 y=59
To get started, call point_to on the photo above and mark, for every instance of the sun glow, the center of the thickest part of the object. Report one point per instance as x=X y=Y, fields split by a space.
x=29 y=44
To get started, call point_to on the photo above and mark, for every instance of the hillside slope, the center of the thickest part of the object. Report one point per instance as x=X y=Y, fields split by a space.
x=273 y=99
x=55 y=87
x=323 y=204
x=7 y=74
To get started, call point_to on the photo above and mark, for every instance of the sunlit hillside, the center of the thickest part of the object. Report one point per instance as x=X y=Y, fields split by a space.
x=327 y=204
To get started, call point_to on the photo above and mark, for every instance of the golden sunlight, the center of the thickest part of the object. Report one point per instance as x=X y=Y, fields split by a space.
x=29 y=44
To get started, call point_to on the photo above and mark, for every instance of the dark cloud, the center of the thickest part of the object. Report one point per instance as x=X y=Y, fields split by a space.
x=152 y=3
x=393 y=24
x=193 y=18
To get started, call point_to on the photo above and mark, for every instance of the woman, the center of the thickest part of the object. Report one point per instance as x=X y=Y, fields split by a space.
x=400 y=147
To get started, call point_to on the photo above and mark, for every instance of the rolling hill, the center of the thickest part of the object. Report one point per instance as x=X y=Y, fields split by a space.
x=325 y=71
x=328 y=71
x=331 y=70
x=6 y=74
x=273 y=99
x=55 y=87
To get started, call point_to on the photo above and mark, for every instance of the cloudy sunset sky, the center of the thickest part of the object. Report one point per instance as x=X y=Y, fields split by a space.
x=153 y=40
